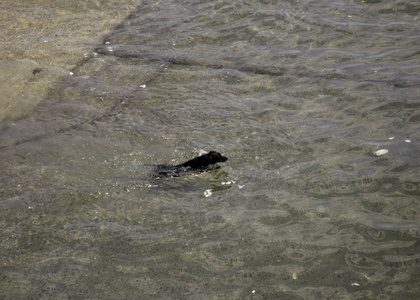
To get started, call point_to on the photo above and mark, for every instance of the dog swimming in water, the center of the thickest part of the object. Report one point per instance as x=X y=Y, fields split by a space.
x=199 y=164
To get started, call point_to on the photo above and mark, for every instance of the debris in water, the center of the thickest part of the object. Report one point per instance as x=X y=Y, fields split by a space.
x=208 y=192
x=380 y=152
x=228 y=182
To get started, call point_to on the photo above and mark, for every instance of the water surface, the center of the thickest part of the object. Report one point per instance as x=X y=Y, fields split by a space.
x=298 y=95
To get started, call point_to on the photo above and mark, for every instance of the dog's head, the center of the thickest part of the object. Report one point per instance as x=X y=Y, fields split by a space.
x=215 y=157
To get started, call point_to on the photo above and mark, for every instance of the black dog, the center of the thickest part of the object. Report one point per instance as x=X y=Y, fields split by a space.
x=199 y=164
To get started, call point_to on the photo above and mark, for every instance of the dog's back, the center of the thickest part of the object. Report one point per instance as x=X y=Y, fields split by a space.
x=201 y=164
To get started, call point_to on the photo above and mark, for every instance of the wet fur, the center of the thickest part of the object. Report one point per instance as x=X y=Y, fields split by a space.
x=199 y=164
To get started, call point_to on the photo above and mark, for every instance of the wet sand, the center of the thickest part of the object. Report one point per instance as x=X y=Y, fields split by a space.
x=45 y=40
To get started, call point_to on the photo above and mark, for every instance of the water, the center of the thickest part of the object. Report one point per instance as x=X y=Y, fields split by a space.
x=297 y=94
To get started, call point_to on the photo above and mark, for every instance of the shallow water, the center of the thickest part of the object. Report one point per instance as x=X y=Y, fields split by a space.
x=297 y=94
